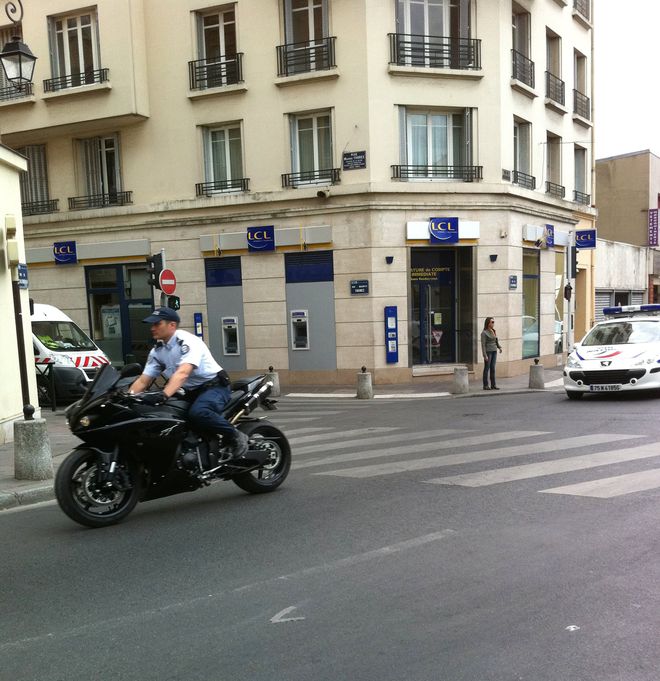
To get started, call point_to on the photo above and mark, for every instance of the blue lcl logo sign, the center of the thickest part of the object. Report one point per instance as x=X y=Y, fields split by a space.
x=65 y=252
x=585 y=238
x=443 y=230
x=261 y=238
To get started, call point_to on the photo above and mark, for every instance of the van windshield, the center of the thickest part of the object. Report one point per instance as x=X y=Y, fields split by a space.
x=62 y=336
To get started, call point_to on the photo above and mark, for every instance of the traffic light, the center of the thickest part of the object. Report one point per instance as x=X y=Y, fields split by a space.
x=154 y=268
x=174 y=302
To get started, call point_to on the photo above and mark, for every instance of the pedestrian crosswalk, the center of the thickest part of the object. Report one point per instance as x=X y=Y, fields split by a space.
x=473 y=458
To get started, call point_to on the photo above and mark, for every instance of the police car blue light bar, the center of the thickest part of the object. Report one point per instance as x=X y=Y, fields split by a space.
x=631 y=310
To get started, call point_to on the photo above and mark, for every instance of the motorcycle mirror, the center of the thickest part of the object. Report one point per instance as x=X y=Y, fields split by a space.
x=131 y=370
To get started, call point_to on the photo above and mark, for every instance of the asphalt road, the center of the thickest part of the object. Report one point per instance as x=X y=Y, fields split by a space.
x=471 y=539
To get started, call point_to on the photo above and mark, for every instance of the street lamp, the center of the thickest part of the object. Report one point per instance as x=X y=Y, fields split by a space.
x=16 y=57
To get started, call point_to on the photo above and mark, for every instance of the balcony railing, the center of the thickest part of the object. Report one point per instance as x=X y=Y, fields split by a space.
x=581 y=105
x=522 y=68
x=462 y=173
x=15 y=92
x=241 y=184
x=523 y=179
x=555 y=88
x=100 y=200
x=216 y=72
x=325 y=176
x=316 y=55
x=76 y=80
x=556 y=190
x=429 y=51
x=581 y=197
x=39 y=207
x=583 y=7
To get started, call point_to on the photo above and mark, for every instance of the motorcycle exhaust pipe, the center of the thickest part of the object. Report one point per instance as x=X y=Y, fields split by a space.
x=253 y=401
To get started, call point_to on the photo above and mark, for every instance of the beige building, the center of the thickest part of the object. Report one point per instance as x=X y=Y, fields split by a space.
x=311 y=168
x=14 y=304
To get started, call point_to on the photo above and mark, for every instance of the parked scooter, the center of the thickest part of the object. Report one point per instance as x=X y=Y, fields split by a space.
x=134 y=452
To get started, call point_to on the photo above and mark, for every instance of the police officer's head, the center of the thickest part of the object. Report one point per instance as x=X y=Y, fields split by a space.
x=164 y=322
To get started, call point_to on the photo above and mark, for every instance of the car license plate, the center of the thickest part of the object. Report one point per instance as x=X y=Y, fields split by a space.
x=606 y=388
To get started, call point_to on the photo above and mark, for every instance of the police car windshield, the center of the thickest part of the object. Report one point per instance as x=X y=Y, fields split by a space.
x=624 y=333
x=61 y=336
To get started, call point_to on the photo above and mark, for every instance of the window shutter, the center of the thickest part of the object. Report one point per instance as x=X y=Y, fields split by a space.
x=637 y=298
x=603 y=299
x=403 y=145
x=90 y=151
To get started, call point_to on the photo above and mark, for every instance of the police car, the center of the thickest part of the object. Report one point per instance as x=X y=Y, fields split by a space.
x=621 y=353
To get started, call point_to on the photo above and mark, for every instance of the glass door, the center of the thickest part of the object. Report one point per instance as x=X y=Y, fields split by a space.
x=433 y=333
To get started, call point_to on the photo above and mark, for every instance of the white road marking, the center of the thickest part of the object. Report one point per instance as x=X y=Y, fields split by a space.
x=397 y=396
x=481 y=455
x=429 y=446
x=538 y=470
x=615 y=486
x=337 y=434
x=280 y=616
x=304 y=431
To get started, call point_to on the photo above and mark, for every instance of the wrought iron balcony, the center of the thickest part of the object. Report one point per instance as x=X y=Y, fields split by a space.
x=216 y=72
x=76 y=80
x=556 y=190
x=315 y=55
x=100 y=200
x=581 y=105
x=523 y=179
x=39 y=207
x=241 y=184
x=581 y=197
x=442 y=52
x=555 y=88
x=325 y=176
x=462 y=173
x=15 y=92
x=522 y=68
x=583 y=7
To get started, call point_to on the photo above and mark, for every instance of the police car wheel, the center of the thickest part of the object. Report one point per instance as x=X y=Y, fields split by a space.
x=574 y=394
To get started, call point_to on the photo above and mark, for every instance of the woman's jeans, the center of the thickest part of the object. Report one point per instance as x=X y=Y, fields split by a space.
x=489 y=366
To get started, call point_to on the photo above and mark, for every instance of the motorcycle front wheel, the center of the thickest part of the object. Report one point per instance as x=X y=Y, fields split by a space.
x=85 y=500
x=264 y=435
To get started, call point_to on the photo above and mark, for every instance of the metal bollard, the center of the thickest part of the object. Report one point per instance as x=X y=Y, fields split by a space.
x=536 y=376
x=32 y=457
x=460 y=384
x=365 y=390
x=275 y=378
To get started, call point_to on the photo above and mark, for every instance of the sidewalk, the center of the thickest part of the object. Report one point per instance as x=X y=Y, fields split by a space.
x=15 y=493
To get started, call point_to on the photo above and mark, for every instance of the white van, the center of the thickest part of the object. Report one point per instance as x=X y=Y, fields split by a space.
x=62 y=348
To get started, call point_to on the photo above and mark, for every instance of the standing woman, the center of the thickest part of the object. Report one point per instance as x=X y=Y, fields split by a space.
x=489 y=347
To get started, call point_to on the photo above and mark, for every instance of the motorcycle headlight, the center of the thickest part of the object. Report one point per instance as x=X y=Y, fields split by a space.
x=572 y=362
x=84 y=421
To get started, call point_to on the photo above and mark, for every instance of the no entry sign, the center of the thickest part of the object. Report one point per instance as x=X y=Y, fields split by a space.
x=167 y=282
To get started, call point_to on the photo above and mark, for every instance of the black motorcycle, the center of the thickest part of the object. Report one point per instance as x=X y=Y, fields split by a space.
x=136 y=452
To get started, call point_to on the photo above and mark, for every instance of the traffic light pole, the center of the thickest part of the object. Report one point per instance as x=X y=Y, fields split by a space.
x=163 y=296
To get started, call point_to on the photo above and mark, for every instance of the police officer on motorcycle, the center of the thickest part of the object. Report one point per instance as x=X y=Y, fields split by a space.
x=186 y=362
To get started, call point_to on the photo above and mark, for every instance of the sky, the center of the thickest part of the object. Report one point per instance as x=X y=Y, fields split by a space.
x=626 y=63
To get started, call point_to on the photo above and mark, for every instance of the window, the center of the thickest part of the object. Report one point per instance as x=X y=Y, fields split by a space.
x=311 y=138
x=553 y=160
x=530 y=300
x=580 y=172
x=74 y=48
x=522 y=66
x=224 y=157
x=100 y=169
x=580 y=72
x=554 y=85
x=522 y=147
x=34 y=182
x=435 y=144
x=308 y=44
x=218 y=63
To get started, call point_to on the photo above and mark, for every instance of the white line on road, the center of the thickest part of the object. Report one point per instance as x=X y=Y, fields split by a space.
x=337 y=434
x=615 y=486
x=415 y=449
x=538 y=470
x=481 y=455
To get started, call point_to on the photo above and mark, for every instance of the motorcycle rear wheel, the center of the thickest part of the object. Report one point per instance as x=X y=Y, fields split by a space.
x=84 y=501
x=270 y=476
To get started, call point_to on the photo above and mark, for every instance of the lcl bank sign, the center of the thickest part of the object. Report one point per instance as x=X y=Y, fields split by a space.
x=65 y=252
x=261 y=238
x=443 y=230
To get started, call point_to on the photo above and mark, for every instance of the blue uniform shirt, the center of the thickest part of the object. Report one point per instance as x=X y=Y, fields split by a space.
x=182 y=348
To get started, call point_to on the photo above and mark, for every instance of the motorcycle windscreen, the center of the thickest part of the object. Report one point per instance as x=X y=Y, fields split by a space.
x=105 y=379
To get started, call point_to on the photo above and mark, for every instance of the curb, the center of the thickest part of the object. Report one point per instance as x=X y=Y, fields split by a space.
x=28 y=496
